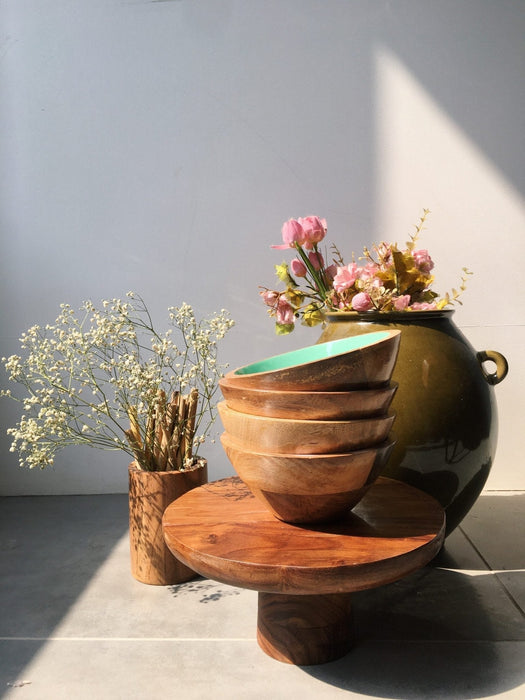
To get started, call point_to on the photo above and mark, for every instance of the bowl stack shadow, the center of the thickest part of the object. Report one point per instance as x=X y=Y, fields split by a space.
x=308 y=431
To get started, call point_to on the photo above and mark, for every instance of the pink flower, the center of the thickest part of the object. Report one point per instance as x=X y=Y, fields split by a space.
x=270 y=298
x=285 y=315
x=298 y=268
x=314 y=228
x=424 y=306
x=402 y=302
x=292 y=233
x=368 y=272
x=423 y=260
x=284 y=312
x=345 y=277
x=316 y=259
x=331 y=271
x=362 y=302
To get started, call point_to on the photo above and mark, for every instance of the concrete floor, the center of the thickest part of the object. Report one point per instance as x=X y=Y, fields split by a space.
x=75 y=624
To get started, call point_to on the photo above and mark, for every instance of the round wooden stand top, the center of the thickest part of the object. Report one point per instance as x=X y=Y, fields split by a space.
x=223 y=532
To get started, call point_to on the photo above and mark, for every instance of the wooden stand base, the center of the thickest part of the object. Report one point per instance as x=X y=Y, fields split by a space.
x=304 y=575
x=304 y=629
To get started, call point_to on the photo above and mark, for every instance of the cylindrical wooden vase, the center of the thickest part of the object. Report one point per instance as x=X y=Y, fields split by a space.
x=150 y=493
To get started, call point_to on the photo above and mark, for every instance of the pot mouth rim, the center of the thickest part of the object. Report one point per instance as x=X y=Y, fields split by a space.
x=387 y=315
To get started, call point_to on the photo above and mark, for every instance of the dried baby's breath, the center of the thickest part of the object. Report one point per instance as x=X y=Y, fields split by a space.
x=104 y=377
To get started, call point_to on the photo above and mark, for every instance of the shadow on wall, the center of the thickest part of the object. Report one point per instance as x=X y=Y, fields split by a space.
x=471 y=71
x=291 y=125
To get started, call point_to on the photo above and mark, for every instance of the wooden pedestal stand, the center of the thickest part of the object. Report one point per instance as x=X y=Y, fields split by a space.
x=304 y=575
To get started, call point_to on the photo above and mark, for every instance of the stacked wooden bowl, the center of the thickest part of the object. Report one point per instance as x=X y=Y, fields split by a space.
x=307 y=431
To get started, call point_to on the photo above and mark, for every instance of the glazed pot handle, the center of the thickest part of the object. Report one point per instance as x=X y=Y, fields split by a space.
x=502 y=366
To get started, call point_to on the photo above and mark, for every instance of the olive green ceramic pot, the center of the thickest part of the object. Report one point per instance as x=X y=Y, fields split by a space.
x=446 y=419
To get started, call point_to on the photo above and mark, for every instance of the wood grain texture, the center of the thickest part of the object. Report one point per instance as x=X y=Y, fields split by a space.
x=293 y=436
x=150 y=493
x=304 y=629
x=308 y=488
x=308 y=405
x=222 y=531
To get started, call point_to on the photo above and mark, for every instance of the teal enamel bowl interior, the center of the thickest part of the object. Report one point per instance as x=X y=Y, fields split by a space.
x=313 y=353
x=364 y=360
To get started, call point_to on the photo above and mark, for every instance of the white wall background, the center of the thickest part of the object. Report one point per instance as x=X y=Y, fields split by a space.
x=158 y=146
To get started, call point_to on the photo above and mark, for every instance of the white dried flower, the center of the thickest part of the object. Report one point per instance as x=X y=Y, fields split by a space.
x=116 y=353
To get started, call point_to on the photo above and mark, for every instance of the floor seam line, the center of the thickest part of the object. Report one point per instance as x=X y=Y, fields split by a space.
x=127 y=639
x=251 y=640
x=509 y=595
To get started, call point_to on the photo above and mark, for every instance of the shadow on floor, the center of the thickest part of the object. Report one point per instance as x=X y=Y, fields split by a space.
x=455 y=629
x=50 y=548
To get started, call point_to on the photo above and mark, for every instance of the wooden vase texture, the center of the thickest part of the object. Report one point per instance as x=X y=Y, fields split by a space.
x=445 y=406
x=150 y=493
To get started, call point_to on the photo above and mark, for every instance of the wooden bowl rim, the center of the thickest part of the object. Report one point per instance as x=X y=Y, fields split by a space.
x=236 y=444
x=389 y=387
x=368 y=340
x=390 y=415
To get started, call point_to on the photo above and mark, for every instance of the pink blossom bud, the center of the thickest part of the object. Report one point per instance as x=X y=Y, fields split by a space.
x=285 y=315
x=270 y=298
x=292 y=233
x=400 y=303
x=331 y=271
x=314 y=229
x=316 y=259
x=423 y=260
x=298 y=268
x=362 y=302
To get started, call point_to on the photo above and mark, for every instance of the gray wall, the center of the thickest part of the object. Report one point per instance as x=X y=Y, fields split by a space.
x=158 y=146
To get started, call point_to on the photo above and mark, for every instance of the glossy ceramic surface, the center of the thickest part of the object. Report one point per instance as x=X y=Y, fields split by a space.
x=335 y=366
x=446 y=424
x=308 y=405
x=307 y=488
x=295 y=436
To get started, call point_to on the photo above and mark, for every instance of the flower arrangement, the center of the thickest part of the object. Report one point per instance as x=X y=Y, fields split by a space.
x=388 y=279
x=104 y=377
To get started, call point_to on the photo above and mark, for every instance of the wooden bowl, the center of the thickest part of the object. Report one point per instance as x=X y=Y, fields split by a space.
x=308 y=488
x=297 y=436
x=308 y=405
x=361 y=361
